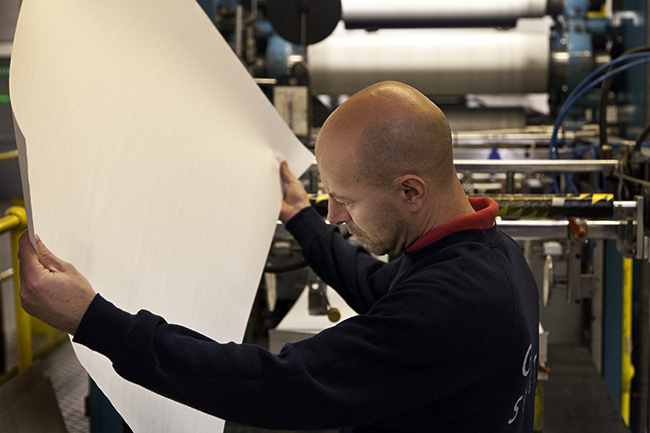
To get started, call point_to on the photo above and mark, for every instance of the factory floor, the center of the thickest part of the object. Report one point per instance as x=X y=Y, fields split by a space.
x=70 y=383
x=576 y=399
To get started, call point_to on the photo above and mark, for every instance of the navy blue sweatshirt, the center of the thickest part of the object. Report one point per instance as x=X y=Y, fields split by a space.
x=446 y=340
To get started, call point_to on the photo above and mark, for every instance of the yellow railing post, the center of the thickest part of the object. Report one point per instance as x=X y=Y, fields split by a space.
x=627 y=369
x=16 y=219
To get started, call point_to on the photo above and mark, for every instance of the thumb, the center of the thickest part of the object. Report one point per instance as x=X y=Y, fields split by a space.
x=287 y=176
x=30 y=265
x=47 y=259
x=26 y=250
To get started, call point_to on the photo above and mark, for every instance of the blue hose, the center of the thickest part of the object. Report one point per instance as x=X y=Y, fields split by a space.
x=578 y=92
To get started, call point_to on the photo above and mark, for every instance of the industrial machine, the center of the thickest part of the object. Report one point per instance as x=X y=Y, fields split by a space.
x=547 y=100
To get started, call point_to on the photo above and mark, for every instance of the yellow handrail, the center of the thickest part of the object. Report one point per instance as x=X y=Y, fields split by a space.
x=15 y=221
x=12 y=154
x=627 y=369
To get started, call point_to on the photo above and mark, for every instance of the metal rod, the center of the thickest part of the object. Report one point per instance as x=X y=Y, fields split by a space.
x=239 y=26
x=520 y=137
x=6 y=274
x=557 y=229
x=547 y=205
x=640 y=229
x=510 y=182
x=23 y=323
x=9 y=222
x=12 y=154
x=538 y=165
x=627 y=369
x=266 y=81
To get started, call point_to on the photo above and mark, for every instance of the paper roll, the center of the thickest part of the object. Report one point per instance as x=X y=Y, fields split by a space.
x=151 y=162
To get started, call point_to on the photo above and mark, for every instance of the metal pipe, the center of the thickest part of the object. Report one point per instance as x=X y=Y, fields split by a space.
x=545 y=206
x=12 y=154
x=510 y=182
x=8 y=222
x=524 y=137
x=266 y=81
x=426 y=13
x=627 y=369
x=239 y=29
x=6 y=274
x=536 y=208
x=640 y=229
x=15 y=221
x=537 y=165
x=557 y=229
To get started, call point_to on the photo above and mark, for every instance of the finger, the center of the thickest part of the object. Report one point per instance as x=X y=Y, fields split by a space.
x=47 y=259
x=287 y=176
x=25 y=247
x=30 y=266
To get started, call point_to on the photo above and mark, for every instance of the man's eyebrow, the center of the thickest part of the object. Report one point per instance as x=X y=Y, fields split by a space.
x=331 y=194
x=338 y=197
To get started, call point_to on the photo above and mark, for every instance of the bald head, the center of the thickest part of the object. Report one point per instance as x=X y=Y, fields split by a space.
x=388 y=130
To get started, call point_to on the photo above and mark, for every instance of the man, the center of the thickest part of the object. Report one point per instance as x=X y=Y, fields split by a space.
x=446 y=339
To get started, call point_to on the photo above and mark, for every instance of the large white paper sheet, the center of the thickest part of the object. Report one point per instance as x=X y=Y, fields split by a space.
x=151 y=162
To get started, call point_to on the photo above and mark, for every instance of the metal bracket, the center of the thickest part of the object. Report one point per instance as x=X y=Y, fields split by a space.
x=317 y=295
x=573 y=269
x=587 y=285
x=639 y=242
x=578 y=285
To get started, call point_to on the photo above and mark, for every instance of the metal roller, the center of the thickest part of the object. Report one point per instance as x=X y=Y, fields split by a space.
x=434 y=61
x=429 y=13
x=534 y=206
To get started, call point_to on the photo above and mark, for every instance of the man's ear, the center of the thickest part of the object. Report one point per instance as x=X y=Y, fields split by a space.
x=412 y=189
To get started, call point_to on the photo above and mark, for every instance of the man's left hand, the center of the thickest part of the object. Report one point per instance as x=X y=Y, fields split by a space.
x=295 y=197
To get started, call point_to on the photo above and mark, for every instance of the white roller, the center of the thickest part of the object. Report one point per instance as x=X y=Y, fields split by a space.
x=435 y=61
x=436 y=10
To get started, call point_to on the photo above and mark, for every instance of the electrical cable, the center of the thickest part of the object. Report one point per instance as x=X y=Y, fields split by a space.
x=604 y=93
x=586 y=85
x=641 y=137
x=581 y=89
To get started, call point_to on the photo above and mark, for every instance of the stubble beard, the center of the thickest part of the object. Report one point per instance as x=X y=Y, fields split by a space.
x=394 y=245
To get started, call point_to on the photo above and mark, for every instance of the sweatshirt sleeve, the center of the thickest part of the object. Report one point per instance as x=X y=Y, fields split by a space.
x=351 y=270
x=365 y=369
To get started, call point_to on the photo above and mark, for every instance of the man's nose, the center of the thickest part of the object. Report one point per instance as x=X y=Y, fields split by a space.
x=336 y=213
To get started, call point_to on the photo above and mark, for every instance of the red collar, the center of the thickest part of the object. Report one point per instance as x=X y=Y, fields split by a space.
x=486 y=211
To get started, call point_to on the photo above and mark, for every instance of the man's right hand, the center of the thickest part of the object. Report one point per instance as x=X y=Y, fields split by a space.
x=50 y=289
x=295 y=196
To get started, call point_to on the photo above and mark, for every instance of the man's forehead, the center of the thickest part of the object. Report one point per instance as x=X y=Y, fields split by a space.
x=335 y=181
